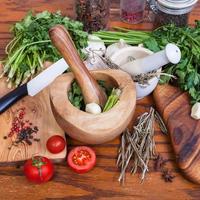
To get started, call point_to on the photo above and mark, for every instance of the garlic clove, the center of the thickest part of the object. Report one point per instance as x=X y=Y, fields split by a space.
x=93 y=108
x=95 y=46
x=195 y=111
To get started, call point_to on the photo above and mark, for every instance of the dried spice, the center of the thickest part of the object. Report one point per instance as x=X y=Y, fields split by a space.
x=168 y=176
x=137 y=146
x=165 y=18
x=22 y=130
x=93 y=13
x=159 y=166
x=161 y=123
x=159 y=163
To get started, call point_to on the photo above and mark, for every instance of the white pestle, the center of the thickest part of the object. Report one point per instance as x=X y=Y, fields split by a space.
x=171 y=54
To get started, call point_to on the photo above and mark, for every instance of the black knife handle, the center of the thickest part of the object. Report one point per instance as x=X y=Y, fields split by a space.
x=12 y=97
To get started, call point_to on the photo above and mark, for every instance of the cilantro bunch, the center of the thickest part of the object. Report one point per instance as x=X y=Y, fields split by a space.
x=188 y=70
x=31 y=45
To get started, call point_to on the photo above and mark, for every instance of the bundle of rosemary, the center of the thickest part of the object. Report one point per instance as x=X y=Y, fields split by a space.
x=138 y=147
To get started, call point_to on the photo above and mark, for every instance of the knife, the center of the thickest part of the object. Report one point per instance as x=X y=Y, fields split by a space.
x=35 y=85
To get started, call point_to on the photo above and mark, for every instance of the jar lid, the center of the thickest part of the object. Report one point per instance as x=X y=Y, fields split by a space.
x=176 y=7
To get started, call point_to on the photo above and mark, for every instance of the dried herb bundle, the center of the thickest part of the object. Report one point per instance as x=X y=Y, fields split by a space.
x=137 y=146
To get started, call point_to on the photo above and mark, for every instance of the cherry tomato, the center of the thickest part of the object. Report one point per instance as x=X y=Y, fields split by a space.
x=38 y=169
x=56 y=144
x=81 y=159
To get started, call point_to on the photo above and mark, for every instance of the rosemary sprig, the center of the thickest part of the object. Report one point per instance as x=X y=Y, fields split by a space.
x=162 y=126
x=138 y=147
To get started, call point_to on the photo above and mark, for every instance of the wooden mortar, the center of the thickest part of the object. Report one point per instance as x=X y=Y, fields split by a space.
x=90 y=128
x=85 y=127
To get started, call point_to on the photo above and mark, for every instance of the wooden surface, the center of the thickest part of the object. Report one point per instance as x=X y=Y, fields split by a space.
x=39 y=113
x=90 y=128
x=101 y=183
x=184 y=131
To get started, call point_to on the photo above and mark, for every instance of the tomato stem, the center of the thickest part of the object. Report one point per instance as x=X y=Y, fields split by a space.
x=37 y=162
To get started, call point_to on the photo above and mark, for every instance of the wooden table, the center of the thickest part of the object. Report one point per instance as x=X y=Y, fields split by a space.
x=100 y=183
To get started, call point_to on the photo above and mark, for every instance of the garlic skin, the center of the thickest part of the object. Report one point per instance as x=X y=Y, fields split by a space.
x=96 y=45
x=95 y=63
x=195 y=111
x=93 y=108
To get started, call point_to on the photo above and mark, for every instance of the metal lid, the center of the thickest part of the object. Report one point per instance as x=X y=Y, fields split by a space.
x=176 y=7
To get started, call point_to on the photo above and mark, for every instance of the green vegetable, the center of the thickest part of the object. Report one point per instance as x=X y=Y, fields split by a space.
x=31 y=45
x=129 y=36
x=186 y=38
x=112 y=99
x=187 y=71
x=76 y=98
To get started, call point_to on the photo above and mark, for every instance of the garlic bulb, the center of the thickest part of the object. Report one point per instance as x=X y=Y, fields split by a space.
x=93 y=108
x=111 y=49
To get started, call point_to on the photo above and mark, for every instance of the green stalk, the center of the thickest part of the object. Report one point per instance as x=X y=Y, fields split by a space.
x=112 y=99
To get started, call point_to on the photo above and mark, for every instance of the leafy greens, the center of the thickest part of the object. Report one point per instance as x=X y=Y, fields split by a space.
x=188 y=70
x=31 y=45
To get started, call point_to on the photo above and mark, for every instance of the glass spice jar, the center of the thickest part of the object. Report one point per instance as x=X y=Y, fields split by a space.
x=94 y=14
x=132 y=11
x=171 y=11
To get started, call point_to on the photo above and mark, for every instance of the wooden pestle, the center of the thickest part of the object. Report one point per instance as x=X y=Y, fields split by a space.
x=91 y=90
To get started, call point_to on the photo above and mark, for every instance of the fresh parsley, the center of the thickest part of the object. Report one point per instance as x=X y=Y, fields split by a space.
x=188 y=70
x=31 y=45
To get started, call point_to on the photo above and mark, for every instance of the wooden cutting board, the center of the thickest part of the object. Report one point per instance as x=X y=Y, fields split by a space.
x=184 y=131
x=39 y=113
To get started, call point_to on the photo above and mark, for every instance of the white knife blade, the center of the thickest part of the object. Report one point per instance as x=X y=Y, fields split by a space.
x=35 y=85
x=46 y=77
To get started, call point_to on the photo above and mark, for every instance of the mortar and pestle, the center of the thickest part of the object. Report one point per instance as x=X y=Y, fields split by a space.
x=86 y=127
x=144 y=61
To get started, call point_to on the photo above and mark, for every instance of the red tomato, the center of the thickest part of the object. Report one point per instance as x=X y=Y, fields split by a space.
x=81 y=159
x=38 y=169
x=56 y=144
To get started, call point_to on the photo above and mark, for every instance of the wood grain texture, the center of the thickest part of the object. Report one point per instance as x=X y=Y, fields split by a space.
x=38 y=111
x=90 y=128
x=101 y=183
x=92 y=92
x=175 y=108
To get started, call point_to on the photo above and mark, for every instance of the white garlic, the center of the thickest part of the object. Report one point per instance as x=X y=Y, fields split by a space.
x=95 y=46
x=111 y=49
x=93 y=108
x=195 y=112
x=95 y=63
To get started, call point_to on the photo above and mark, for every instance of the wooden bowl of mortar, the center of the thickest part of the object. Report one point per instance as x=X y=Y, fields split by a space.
x=90 y=128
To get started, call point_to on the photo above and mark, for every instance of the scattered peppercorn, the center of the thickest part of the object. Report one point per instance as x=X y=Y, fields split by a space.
x=22 y=129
